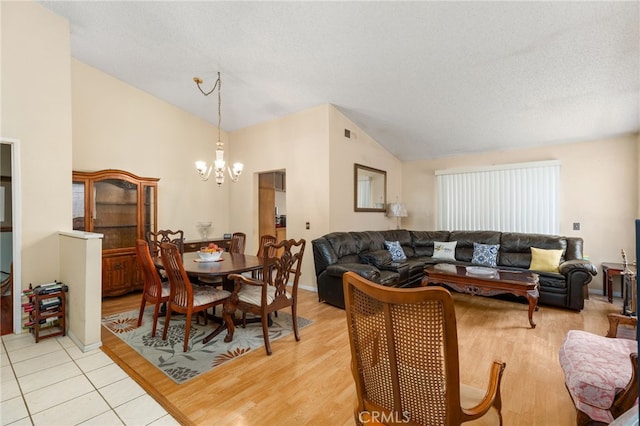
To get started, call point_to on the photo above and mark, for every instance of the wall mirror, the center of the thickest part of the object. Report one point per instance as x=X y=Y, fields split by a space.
x=370 y=189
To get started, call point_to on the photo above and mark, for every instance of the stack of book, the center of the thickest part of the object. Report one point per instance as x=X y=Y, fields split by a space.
x=53 y=287
x=50 y=304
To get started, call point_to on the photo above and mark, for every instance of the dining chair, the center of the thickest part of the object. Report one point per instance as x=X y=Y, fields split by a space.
x=601 y=372
x=165 y=236
x=404 y=358
x=155 y=290
x=238 y=242
x=272 y=292
x=264 y=240
x=185 y=298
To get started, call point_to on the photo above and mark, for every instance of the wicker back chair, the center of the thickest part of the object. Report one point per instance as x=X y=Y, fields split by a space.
x=404 y=349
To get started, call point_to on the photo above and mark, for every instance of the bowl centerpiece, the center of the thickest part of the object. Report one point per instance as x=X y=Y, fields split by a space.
x=210 y=253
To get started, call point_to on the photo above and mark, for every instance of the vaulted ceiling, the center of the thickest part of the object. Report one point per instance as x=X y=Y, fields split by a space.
x=424 y=79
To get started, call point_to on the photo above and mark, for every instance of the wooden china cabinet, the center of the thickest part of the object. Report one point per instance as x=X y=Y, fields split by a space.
x=122 y=207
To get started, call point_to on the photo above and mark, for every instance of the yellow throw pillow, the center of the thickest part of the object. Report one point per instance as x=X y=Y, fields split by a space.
x=545 y=260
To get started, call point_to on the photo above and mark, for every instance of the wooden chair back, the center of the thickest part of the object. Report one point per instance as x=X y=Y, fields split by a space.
x=150 y=276
x=184 y=298
x=181 y=298
x=238 y=242
x=280 y=271
x=154 y=290
x=165 y=236
x=264 y=239
x=270 y=293
x=404 y=349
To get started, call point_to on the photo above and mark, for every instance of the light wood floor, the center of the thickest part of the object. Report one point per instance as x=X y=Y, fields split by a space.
x=310 y=383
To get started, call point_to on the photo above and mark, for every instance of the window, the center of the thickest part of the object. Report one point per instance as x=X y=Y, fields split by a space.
x=510 y=198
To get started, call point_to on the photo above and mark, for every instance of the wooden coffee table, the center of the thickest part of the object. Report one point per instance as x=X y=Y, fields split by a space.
x=486 y=282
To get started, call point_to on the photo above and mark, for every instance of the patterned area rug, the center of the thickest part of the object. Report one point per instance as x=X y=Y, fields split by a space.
x=181 y=366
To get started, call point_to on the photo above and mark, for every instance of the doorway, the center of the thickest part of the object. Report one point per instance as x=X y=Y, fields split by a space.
x=272 y=204
x=10 y=236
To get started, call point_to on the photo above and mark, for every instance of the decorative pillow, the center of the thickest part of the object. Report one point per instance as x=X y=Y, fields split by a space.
x=444 y=250
x=545 y=260
x=485 y=254
x=396 y=251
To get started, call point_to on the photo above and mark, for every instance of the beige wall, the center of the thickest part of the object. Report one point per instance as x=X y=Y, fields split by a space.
x=599 y=189
x=311 y=147
x=116 y=126
x=36 y=110
x=361 y=149
x=298 y=144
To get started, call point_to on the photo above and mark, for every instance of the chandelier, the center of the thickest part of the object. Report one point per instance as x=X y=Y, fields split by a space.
x=218 y=165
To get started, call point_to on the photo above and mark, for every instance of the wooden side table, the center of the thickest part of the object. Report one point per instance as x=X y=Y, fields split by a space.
x=610 y=270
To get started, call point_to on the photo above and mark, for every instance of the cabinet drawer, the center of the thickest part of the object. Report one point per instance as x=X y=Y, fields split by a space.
x=117 y=275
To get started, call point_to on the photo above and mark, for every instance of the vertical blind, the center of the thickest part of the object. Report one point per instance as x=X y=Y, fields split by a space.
x=519 y=197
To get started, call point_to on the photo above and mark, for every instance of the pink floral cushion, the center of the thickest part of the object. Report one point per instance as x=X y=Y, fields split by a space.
x=596 y=368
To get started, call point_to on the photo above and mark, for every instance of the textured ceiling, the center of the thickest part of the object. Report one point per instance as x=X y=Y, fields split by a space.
x=425 y=79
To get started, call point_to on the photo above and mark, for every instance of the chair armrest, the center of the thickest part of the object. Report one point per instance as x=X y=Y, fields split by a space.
x=365 y=271
x=616 y=319
x=393 y=266
x=241 y=279
x=577 y=264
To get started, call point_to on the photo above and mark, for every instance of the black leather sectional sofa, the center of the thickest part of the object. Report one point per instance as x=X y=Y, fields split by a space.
x=365 y=253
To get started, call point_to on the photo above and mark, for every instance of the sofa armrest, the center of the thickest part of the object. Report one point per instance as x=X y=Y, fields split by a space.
x=569 y=266
x=578 y=274
x=394 y=266
x=365 y=271
x=402 y=268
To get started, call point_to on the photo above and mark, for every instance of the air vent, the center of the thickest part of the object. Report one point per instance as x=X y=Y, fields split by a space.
x=347 y=133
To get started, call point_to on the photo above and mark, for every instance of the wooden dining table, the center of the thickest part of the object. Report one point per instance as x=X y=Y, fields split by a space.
x=229 y=263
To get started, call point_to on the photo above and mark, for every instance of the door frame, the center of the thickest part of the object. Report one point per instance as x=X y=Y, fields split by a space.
x=16 y=213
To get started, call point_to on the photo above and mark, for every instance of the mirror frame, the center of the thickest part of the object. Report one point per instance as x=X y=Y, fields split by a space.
x=357 y=168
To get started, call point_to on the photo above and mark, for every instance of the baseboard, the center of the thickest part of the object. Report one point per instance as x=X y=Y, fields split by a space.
x=308 y=288
x=82 y=346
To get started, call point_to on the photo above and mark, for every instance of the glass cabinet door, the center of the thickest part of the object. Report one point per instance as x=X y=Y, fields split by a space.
x=148 y=209
x=79 y=206
x=115 y=212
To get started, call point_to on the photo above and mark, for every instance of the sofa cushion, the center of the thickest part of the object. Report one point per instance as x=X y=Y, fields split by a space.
x=444 y=250
x=395 y=249
x=376 y=258
x=423 y=241
x=485 y=254
x=403 y=237
x=365 y=271
x=595 y=375
x=515 y=248
x=545 y=260
x=343 y=243
x=466 y=239
x=368 y=240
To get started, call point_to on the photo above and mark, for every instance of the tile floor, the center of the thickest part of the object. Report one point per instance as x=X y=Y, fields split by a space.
x=54 y=383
